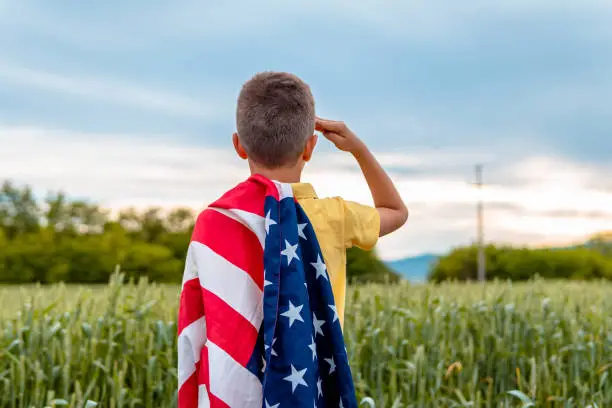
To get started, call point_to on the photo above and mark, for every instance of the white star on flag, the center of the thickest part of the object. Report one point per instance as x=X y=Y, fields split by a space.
x=317 y=325
x=267 y=347
x=296 y=378
x=290 y=252
x=269 y=222
x=319 y=389
x=263 y=369
x=266 y=282
x=301 y=231
x=313 y=347
x=271 y=406
x=335 y=310
x=339 y=406
x=293 y=313
x=332 y=364
x=320 y=267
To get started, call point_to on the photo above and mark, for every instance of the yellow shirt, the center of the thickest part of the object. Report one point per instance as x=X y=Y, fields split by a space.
x=339 y=225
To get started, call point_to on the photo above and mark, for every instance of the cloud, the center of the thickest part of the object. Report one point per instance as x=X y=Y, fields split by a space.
x=411 y=21
x=416 y=22
x=117 y=169
x=539 y=200
x=521 y=86
x=107 y=90
x=440 y=73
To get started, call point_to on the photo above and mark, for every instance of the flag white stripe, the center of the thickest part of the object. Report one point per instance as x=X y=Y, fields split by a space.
x=230 y=283
x=254 y=222
x=284 y=190
x=231 y=382
x=190 y=343
x=191 y=268
x=203 y=401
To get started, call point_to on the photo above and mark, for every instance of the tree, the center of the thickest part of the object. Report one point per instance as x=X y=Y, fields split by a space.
x=364 y=266
x=87 y=218
x=601 y=243
x=19 y=211
x=180 y=220
x=152 y=225
x=57 y=212
x=76 y=241
x=507 y=263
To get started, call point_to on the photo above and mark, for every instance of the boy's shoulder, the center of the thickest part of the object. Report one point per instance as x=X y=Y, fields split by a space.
x=305 y=192
x=306 y=195
x=356 y=224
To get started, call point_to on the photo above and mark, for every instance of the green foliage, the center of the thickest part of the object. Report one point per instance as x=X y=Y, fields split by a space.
x=19 y=212
x=519 y=264
x=601 y=243
x=544 y=344
x=76 y=241
x=364 y=266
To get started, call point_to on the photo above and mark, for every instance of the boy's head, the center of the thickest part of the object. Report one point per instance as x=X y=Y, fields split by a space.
x=275 y=119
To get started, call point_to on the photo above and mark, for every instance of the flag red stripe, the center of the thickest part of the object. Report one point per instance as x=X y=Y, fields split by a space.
x=229 y=330
x=204 y=378
x=216 y=402
x=248 y=196
x=188 y=393
x=226 y=243
x=221 y=234
x=191 y=304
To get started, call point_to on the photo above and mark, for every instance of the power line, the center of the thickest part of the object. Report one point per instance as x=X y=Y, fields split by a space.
x=480 y=226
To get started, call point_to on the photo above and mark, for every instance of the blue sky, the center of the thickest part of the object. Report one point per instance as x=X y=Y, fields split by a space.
x=133 y=103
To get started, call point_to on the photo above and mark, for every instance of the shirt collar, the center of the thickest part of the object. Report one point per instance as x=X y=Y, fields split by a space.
x=303 y=190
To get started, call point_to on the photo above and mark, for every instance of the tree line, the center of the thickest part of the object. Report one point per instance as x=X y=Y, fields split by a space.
x=62 y=239
x=591 y=260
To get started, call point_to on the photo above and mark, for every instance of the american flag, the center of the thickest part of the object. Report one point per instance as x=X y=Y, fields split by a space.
x=258 y=325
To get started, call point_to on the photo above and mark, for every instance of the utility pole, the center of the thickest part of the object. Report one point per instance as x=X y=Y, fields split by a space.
x=480 y=227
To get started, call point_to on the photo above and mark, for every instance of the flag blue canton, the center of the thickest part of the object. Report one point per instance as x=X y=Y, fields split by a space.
x=300 y=356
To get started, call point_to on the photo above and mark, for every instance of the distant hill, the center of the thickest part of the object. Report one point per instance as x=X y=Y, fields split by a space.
x=414 y=268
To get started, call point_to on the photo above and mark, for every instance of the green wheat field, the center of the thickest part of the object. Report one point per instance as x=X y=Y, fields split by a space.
x=540 y=344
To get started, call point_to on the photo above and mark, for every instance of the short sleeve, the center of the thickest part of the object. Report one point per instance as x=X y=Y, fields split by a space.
x=361 y=225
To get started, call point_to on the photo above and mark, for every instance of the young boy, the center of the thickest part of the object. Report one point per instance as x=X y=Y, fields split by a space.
x=262 y=302
x=276 y=123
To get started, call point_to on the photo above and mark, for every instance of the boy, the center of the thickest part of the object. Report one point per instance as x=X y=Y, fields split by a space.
x=276 y=122
x=269 y=334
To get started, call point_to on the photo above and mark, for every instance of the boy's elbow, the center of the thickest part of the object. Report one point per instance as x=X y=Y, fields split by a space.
x=402 y=216
x=391 y=219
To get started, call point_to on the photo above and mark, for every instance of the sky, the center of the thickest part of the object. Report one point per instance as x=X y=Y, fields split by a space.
x=133 y=104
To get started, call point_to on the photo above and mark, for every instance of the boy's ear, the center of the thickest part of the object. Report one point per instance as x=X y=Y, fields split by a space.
x=238 y=147
x=309 y=149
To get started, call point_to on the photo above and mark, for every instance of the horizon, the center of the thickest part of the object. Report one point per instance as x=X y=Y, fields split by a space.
x=137 y=108
x=114 y=213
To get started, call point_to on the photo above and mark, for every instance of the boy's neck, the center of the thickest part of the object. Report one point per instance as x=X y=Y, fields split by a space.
x=290 y=174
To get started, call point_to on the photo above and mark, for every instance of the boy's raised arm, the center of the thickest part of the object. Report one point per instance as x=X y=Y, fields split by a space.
x=388 y=202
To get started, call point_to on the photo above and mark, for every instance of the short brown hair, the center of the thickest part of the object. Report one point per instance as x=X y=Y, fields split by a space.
x=275 y=116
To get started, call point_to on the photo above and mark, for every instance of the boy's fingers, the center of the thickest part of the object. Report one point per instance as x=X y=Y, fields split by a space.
x=325 y=124
x=333 y=137
x=320 y=124
x=328 y=123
